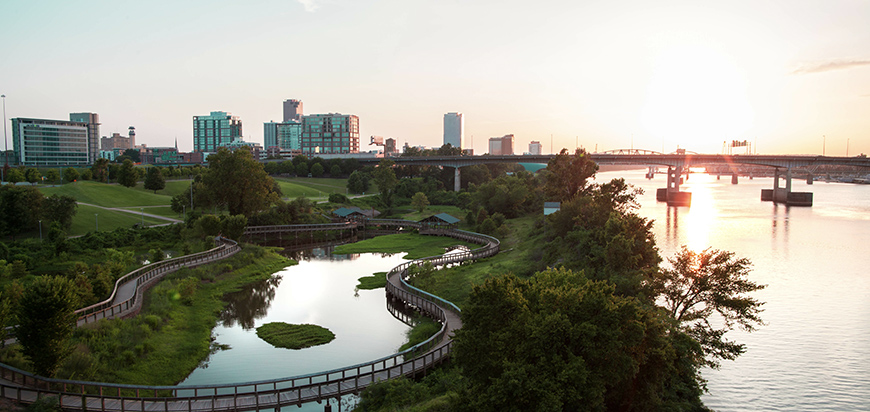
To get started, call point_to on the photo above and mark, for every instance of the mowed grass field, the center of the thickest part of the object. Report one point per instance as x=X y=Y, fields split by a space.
x=311 y=187
x=109 y=195
x=85 y=220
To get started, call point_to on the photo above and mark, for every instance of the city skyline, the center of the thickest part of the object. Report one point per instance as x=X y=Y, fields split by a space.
x=788 y=76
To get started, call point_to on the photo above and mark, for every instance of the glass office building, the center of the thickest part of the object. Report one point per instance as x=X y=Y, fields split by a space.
x=42 y=142
x=284 y=136
x=330 y=133
x=214 y=130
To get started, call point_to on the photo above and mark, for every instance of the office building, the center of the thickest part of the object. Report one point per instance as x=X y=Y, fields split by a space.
x=535 y=147
x=502 y=146
x=283 y=136
x=43 y=142
x=390 y=146
x=117 y=141
x=330 y=133
x=93 y=122
x=210 y=132
x=292 y=110
x=454 y=129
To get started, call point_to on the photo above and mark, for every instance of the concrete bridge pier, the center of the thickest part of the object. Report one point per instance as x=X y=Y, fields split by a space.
x=672 y=193
x=734 y=179
x=784 y=195
x=456 y=180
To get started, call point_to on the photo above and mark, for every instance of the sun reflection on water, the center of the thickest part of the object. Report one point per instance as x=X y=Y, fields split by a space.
x=698 y=221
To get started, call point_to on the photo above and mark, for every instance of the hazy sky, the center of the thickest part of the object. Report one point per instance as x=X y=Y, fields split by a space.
x=655 y=74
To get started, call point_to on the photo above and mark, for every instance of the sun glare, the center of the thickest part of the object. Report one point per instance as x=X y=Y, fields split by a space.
x=696 y=96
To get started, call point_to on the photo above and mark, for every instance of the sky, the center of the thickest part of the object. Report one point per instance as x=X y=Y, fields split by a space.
x=789 y=76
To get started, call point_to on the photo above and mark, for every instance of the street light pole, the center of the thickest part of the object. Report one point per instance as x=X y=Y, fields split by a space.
x=142 y=210
x=40 y=231
x=97 y=221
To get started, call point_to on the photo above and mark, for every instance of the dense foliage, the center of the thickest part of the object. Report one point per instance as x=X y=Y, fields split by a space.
x=289 y=336
x=559 y=341
x=238 y=182
x=46 y=319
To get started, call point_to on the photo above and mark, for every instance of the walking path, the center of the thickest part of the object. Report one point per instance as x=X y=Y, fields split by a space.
x=118 y=209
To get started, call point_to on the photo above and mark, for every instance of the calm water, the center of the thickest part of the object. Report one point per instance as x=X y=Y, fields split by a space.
x=814 y=352
x=319 y=290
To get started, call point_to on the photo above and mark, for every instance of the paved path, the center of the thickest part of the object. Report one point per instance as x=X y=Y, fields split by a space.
x=140 y=213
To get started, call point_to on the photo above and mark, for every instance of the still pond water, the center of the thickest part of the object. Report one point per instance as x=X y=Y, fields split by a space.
x=320 y=290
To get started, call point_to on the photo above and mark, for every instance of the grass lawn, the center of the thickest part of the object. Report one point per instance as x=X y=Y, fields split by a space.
x=455 y=284
x=109 y=195
x=173 y=187
x=84 y=221
x=416 y=246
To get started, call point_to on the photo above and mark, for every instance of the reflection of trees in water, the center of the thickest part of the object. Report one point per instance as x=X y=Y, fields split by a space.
x=249 y=304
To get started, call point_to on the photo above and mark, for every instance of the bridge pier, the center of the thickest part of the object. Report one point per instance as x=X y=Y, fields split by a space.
x=456 y=180
x=672 y=193
x=734 y=179
x=784 y=195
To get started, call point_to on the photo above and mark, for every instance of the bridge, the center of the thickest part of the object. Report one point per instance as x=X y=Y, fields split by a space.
x=677 y=163
x=25 y=387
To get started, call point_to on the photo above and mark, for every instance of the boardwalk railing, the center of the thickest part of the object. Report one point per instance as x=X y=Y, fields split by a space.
x=275 y=393
x=149 y=273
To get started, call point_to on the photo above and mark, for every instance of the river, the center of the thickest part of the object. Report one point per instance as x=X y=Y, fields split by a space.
x=813 y=354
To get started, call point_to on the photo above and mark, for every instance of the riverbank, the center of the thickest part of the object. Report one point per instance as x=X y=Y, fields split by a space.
x=414 y=246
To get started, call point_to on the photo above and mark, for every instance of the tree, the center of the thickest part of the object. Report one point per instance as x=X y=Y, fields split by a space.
x=127 y=175
x=385 y=178
x=14 y=176
x=317 y=170
x=233 y=227
x=419 y=201
x=335 y=170
x=301 y=169
x=32 y=175
x=358 y=182
x=567 y=175
x=19 y=208
x=154 y=179
x=52 y=176
x=238 y=181
x=699 y=284
x=100 y=170
x=46 y=318
x=59 y=208
x=70 y=175
x=132 y=154
x=559 y=341
x=210 y=225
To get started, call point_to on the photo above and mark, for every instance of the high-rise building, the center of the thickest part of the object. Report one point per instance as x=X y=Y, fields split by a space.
x=535 y=147
x=502 y=146
x=283 y=136
x=390 y=146
x=330 y=133
x=292 y=110
x=93 y=122
x=454 y=129
x=43 y=142
x=209 y=132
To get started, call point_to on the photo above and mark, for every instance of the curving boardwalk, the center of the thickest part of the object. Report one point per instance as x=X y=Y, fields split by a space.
x=267 y=394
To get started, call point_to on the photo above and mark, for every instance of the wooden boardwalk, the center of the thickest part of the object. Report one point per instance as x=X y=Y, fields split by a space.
x=276 y=393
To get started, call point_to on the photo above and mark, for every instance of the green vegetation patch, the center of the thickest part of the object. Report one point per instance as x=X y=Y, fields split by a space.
x=416 y=246
x=423 y=329
x=109 y=195
x=375 y=281
x=285 y=335
x=88 y=218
